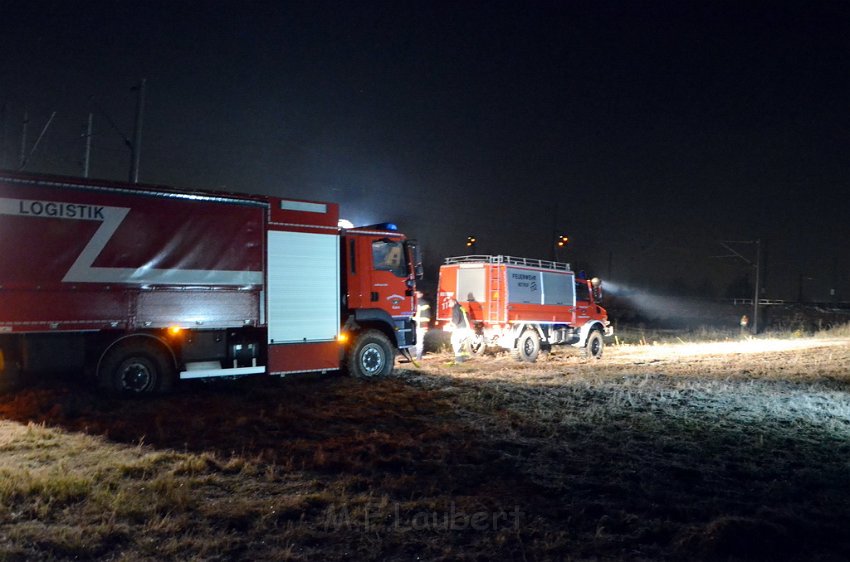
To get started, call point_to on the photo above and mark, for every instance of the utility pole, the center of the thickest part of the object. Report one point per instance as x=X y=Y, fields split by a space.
x=833 y=291
x=3 y=135
x=87 y=154
x=757 y=290
x=756 y=265
x=22 y=160
x=136 y=145
x=554 y=244
x=24 y=156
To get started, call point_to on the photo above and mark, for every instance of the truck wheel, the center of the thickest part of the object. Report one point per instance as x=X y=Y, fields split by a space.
x=594 y=346
x=136 y=368
x=371 y=356
x=527 y=346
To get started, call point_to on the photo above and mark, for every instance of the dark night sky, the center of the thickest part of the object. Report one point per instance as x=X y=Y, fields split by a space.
x=646 y=131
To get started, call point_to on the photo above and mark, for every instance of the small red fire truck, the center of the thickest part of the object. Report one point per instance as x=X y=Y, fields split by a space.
x=144 y=285
x=523 y=305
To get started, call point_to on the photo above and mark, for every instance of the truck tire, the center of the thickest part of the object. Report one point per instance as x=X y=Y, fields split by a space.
x=527 y=346
x=594 y=345
x=136 y=368
x=371 y=356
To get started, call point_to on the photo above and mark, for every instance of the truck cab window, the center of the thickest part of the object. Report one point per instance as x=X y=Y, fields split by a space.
x=582 y=293
x=389 y=256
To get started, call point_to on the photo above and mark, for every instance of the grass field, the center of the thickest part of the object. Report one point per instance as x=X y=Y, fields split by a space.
x=736 y=450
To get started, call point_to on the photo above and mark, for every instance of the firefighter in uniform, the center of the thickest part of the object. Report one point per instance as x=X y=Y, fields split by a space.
x=423 y=322
x=460 y=332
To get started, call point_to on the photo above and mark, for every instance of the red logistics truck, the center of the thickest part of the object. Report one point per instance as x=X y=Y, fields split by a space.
x=523 y=305
x=143 y=285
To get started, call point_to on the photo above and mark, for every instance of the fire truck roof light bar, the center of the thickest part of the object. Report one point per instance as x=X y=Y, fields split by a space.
x=381 y=226
x=510 y=260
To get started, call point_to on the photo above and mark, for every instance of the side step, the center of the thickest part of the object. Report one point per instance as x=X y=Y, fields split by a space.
x=204 y=369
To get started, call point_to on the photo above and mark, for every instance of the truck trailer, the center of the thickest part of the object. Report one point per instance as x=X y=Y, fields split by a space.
x=142 y=285
x=523 y=305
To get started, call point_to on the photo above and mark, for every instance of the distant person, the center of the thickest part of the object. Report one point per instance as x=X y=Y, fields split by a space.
x=423 y=322
x=460 y=329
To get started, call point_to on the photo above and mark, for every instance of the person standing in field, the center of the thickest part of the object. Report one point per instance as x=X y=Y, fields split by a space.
x=460 y=329
x=423 y=322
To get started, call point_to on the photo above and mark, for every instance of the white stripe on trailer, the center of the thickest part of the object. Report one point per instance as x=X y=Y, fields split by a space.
x=111 y=218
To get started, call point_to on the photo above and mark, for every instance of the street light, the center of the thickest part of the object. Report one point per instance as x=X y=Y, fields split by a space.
x=560 y=243
x=470 y=242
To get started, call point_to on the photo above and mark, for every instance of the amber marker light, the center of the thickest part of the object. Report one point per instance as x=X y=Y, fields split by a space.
x=342 y=338
x=174 y=330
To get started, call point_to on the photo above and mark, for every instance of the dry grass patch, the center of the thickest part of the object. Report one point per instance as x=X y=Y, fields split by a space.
x=727 y=450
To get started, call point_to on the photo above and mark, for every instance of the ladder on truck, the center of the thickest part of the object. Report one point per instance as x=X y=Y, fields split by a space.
x=495 y=298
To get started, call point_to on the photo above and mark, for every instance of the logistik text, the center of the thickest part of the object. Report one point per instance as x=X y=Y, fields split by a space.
x=60 y=210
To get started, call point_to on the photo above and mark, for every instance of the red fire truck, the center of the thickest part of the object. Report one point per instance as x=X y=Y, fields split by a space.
x=144 y=285
x=523 y=305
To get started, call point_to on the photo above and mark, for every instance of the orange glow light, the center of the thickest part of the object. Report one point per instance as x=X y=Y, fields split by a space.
x=175 y=330
x=342 y=338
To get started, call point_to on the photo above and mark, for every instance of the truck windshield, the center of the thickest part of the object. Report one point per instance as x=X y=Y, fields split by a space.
x=389 y=256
